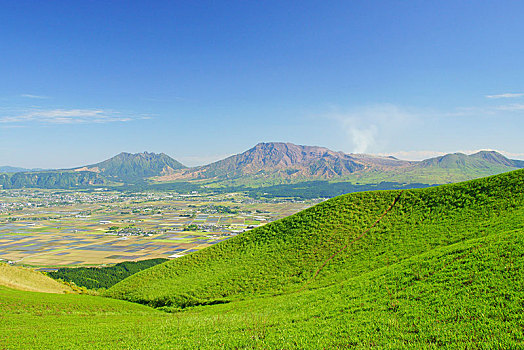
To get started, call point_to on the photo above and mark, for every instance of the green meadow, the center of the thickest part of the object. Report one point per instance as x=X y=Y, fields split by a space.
x=432 y=268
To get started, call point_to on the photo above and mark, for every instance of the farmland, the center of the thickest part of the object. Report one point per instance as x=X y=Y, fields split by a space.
x=50 y=228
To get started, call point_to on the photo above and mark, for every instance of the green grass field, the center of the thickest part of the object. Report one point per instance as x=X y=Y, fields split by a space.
x=420 y=220
x=29 y=280
x=419 y=269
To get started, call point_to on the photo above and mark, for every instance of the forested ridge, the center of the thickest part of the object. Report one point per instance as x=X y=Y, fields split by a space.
x=103 y=277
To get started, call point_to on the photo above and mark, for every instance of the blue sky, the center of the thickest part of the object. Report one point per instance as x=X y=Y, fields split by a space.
x=85 y=80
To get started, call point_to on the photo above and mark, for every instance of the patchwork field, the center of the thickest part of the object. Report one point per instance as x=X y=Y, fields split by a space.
x=49 y=229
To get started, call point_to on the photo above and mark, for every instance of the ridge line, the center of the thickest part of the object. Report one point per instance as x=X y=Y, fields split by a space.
x=354 y=240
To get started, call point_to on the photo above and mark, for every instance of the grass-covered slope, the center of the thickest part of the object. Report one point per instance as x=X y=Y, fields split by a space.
x=32 y=320
x=29 y=280
x=271 y=258
x=340 y=239
x=467 y=295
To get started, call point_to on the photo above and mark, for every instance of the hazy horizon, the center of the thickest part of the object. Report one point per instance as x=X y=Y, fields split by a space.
x=194 y=161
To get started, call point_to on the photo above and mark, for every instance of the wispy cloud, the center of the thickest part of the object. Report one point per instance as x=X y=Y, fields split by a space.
x=39 y=97
x=68 y=116
x=507 y=95
x=511 y=108
x=485 y=111
x=7 y=126
x=376 y=127
x=368 y=126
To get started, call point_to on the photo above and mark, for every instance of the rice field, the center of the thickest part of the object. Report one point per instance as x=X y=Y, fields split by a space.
x=48 y=229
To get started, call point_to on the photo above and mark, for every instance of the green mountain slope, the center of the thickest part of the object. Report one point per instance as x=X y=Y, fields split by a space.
x=124 y=168
x=130 y=168
x=285 y=256
x=449 y=168
x=51 y=179
x=442 y=268
x=479 y=160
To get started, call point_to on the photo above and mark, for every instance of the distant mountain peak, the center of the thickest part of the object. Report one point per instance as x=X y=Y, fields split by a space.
x=481 y=159
x=493 y=157
x=286 y=160
x=268 y=163
x=140 y=154
x=133 y=167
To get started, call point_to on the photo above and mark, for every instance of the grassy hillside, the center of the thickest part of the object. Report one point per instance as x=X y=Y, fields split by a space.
x=283 y=256
x=247 y=264
x=430 y=175
x=417 y=269
x=29 y=280
x=466 y=295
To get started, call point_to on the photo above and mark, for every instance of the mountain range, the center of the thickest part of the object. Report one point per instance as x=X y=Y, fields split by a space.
x=268 y=164
x=294 y=163
x=287 y=160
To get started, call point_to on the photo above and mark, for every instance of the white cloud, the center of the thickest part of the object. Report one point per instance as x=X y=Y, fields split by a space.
x=67 y=116
x=511 y=108
x=40 y=97
x=371 y=126
x=506 y=95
